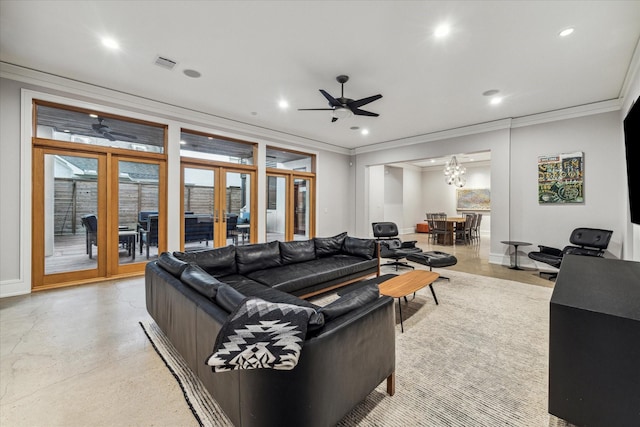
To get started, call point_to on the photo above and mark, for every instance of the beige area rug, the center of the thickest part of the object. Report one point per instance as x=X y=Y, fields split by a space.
x=479 y=358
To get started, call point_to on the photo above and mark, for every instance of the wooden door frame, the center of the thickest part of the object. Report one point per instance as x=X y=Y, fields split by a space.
x=220 y=170
x=40 y=280
x=290 y=177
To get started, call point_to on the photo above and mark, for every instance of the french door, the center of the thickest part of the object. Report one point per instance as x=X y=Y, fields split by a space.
x=290 y=206
x=85 y=214
x=217 y=205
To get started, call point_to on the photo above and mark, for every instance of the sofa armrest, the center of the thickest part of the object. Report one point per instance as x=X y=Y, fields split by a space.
x=353 y=354
x=550 y=251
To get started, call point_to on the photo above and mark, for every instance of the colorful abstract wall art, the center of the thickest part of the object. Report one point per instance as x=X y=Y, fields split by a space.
x=561 y=178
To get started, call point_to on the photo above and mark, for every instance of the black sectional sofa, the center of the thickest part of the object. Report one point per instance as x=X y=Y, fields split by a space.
x=344 y=357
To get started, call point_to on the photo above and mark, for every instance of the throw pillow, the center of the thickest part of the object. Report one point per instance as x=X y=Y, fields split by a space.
x=327 y=246
x=200 y=280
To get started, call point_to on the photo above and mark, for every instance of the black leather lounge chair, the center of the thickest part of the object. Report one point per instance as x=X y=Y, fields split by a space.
x=587 y=241
x=391 y=246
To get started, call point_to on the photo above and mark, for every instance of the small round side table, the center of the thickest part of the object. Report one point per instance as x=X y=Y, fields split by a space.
x=515 y=245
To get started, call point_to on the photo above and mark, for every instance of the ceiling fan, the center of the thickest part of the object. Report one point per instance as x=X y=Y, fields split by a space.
x=345 y=107
x=104 y=130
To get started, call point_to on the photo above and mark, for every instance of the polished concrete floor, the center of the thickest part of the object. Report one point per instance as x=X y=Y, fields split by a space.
x=77 y=356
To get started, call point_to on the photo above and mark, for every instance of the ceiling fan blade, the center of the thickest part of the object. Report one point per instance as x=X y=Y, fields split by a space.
x=109 y=136
x=363 y=101
x=315 y=109
x=124 y=135
x=332 y=101
x=359 y=112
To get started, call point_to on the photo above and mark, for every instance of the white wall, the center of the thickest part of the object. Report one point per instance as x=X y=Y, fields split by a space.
x=333 y=194
x=413 y=210
x=393 y=192
x=376 y=193
x=598 y=137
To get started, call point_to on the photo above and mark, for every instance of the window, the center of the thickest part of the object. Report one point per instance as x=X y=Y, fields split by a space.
x=94 y=128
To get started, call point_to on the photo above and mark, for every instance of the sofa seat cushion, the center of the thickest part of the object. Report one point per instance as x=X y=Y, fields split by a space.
x=350 y=301
x=293 y=277
x=255 y=289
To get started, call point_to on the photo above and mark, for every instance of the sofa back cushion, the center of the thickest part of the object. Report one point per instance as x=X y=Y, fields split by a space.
x=364 y=248
x=327 y=246
x=228 y=298
x=217 y=262
x=200 y=280
x=297 y=251
x=258 y=257
x=172 y=264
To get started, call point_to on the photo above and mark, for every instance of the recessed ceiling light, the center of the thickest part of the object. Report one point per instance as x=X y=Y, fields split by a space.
x=365 y=131
x=566 y=32
x=192 y=73
x=442 y=31
x=283 y=104
x=95 y=116
x=110 y=43
x=495 y=100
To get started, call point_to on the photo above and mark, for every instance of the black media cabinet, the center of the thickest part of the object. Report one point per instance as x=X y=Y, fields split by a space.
x=594 y=342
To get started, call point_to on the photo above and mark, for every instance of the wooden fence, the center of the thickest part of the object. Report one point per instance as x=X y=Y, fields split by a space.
x=75 y=198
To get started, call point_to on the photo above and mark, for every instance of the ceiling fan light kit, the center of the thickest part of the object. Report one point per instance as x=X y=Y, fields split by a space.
x=342 y=108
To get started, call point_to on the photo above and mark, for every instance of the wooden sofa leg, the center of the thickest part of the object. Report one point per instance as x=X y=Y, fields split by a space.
x=391 y=384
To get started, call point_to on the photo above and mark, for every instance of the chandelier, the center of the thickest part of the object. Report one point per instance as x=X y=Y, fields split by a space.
x=454 y=173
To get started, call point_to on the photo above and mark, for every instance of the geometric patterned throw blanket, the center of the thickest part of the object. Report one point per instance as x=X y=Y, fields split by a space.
x=261 y=334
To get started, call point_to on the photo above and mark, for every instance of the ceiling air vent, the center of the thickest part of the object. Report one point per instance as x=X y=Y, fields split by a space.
x=165 y=62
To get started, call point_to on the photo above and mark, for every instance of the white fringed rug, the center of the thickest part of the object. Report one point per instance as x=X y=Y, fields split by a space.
x=480 y=358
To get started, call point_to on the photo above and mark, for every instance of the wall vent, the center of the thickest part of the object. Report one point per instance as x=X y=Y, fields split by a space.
x=165 y=62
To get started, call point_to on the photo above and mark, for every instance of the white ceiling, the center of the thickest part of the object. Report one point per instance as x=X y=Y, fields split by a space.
x=253 y=53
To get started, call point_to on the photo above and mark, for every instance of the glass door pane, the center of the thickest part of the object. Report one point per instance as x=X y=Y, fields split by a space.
x=301 y=209
x=138 y=185
x=276 y=208
x=199 y=208
x=70 y=213
x=238 y=208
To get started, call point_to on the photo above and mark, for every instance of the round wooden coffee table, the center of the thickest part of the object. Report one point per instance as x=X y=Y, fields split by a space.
x=408 y=283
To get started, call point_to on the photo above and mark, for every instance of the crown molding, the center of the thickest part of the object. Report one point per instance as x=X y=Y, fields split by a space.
x=435 y=136
x=98 y=94
x=568 y=113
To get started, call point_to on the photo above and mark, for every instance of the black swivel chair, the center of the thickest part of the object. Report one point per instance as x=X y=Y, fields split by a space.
x=391 y=246
x=588 y=241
